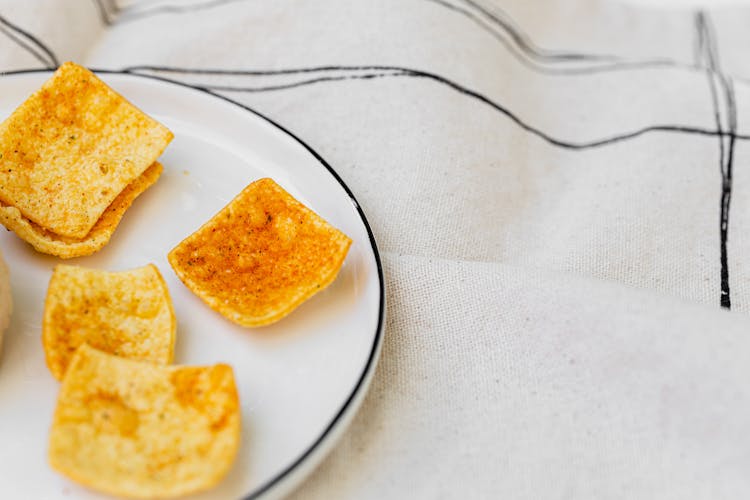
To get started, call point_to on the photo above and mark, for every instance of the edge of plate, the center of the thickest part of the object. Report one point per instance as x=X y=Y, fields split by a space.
x=289 y=477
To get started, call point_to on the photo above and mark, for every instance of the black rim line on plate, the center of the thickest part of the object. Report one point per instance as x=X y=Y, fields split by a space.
x=369 y=365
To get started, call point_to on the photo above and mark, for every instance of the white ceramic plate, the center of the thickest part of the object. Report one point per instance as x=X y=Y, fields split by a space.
x=300 y=380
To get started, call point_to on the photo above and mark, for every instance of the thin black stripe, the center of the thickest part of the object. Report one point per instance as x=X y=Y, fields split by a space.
x=526 y=53
x=519 y=46
x=398 y=71
x=51 y=62
x=527 y=45
x=129 y=14
x=28 y=48
x=710 y=60
x=104 y=15
x=726 y=193
x=302 y=83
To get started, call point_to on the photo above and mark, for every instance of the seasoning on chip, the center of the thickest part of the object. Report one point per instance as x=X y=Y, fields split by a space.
x=125 y=313
x=47 y=242
x=70 y=149
x=141 y=430
x=261 y=256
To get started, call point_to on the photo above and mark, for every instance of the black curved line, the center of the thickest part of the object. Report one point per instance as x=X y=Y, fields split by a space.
x=260 y=72
x=128 y=15
x=28 y=48
x=708 y=59
x=726 y=192
x=314 y=69
x=521 y=40
x=104 y=15
x=413 y=73
x=727 y=161
x=525 y=56
x=52 y=62
x=230 y=88
x=525 y=42
x=377 y=338
x=526 y=45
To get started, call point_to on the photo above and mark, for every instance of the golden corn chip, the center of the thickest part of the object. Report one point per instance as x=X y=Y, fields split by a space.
x=140 y=430
x=71 y=148
x=126 y=313
x=47 y=242
x=261 y=256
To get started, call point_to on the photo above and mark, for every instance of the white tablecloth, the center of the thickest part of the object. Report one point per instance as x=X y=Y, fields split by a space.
x=560 y=191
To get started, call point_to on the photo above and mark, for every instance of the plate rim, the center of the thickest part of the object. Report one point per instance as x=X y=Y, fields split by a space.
x=352 y=402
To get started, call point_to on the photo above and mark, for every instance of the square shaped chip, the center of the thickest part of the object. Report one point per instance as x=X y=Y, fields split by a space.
x=261 y=256
x=140 y=430
x=71 y=148
x=126 y=313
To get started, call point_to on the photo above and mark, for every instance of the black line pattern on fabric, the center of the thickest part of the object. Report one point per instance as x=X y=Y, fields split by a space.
x=103 y=12
x=526 y=44
x=28 y=48
x=523 y=49
x=520 y=46
x=726 y=190
x=302 y=83
x=522 y=40
x=29 y=43
x=114 y=14
x=709 y=59
x=397 y=71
